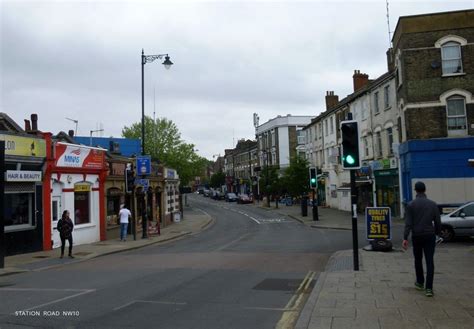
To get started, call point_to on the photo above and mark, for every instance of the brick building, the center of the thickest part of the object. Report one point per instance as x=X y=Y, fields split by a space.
x=434 y=62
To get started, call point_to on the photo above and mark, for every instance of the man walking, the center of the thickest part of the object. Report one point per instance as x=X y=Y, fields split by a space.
x=124 y=215
x=423 y=221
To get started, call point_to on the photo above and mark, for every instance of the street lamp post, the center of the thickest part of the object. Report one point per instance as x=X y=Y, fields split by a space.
x=167 y=63
x=148 y=59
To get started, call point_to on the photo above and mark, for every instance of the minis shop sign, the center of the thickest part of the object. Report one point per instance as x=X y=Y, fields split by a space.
x=78 y=156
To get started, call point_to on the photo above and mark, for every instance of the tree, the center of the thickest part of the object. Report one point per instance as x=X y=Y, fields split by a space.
x=269 y=180
x=164 y=144
x=296 y=177
x=217 y=179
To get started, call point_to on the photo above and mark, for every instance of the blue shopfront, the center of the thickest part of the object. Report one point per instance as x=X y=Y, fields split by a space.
x=442 y=164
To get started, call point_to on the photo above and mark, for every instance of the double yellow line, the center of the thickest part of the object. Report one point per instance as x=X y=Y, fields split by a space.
x=292 y=309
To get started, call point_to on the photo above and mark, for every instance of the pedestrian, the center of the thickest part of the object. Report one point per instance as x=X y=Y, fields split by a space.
x=65 y=227
x=124 y=215
x=422 y=219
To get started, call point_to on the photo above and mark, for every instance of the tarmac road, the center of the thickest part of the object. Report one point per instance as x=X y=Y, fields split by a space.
x=252 y=268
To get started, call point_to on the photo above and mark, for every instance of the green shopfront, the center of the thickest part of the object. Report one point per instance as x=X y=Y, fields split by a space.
x=387 y=187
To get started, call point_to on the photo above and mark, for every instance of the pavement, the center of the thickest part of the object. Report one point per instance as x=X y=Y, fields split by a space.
x=192 y=222
x=380 y=295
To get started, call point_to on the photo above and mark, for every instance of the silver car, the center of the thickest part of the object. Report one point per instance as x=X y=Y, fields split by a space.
x=459 y=222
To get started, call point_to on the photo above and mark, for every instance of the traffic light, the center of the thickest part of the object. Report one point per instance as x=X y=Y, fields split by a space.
x=129 y=179
x=350 y=144
x=313 y=179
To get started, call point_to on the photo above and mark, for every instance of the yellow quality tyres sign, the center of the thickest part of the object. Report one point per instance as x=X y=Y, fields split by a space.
x=24 y=146
x=379 y=221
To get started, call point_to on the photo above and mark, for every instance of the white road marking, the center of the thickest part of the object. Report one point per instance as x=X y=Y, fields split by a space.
x=268 y=309
x=255 y=220
x=149 y=302
x=232 y=242
x=82 y=292
x=273 y=220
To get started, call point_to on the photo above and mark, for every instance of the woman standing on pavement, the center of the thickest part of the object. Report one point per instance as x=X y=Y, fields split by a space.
x=65 y=227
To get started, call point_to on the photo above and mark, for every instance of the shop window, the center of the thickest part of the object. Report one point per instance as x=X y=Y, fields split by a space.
x=56 y=209
x=18 y=211
x=82 y=204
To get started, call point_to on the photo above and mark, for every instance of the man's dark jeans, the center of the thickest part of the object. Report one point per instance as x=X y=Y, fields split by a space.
x=426 y=245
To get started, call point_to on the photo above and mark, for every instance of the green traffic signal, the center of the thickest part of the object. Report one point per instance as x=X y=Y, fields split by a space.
x=350 y=160
x=350 y=144
x=313 y=181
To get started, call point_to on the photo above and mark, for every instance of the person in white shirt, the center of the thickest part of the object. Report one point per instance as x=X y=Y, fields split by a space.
x=124 y=215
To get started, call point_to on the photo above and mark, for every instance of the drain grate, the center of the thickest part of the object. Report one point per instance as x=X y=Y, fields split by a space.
x=279 y=284
x=41 y=256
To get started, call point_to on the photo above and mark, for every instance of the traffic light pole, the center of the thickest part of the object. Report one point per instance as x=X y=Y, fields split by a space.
x=315 y=205
x=355 y=242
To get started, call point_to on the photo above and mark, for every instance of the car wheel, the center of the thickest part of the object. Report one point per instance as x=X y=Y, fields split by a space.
x=447 y=233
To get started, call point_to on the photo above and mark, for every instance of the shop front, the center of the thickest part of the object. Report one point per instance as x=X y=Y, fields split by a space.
x=76 y=176
x=23 y=198
x=115 y=193
x=155 y=200
x=364 y=186
x=387 y=190
x=172 y=201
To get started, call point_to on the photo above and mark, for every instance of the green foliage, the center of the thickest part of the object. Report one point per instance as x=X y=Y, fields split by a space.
x=296 y=177
x=270 y=182
x=163 y=142
x=217 y=179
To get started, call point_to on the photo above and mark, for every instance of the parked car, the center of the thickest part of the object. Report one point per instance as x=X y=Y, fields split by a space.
x=207 y=193
x=286 y=200
x=459 y=222
x=218 y=195
x=230 y=197
x=244 y=198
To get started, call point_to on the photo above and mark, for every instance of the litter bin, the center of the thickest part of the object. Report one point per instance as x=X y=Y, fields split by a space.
x=304 y=206
x=176 y=217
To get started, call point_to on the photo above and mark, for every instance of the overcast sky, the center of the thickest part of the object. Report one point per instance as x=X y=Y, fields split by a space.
x=81 y=60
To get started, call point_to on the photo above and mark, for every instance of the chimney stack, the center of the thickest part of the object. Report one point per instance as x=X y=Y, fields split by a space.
x=331 y=100
x=34 y=122
x=360 y=80
x=27 y=125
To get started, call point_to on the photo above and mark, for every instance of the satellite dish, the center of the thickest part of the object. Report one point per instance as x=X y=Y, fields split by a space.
x=435 y=64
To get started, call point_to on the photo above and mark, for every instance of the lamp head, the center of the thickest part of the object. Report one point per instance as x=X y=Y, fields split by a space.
x=167 y=63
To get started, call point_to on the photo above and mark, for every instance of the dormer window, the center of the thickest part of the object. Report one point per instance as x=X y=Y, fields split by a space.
x=451 y=58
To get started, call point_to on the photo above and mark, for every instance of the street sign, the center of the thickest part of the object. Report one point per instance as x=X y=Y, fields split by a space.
x=379 y=222
x=143 y=165
x=142 y=182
